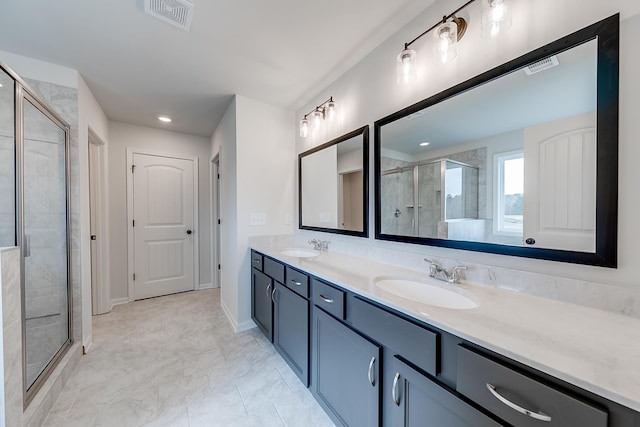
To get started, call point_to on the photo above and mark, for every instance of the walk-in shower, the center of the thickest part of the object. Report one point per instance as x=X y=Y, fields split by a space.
x=425 y=196
x=34 y=214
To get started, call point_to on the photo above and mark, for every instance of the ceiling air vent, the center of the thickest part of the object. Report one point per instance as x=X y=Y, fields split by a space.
x=175 y=12
x=541 y=65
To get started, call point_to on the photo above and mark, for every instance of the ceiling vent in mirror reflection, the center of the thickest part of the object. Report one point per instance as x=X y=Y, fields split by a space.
x=542 y=65
x=178 y=13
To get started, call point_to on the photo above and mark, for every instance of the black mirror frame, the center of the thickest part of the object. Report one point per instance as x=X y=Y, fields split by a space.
x=607 y=34
x=364 y=131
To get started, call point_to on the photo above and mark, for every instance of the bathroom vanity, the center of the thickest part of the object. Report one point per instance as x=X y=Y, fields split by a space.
x=374 y=357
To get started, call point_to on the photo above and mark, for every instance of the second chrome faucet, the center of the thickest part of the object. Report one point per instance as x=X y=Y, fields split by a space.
x=450 y=275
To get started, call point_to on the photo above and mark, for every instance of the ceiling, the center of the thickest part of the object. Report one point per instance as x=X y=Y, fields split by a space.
x=280 y=52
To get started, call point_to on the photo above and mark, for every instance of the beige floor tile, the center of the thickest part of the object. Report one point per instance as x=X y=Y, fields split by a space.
x=174 y=361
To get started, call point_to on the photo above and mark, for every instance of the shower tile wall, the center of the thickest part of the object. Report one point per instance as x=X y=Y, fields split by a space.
x=397 y=193
x=430 y=199
x=7 y=172
x=46 y=321
x=477 y=158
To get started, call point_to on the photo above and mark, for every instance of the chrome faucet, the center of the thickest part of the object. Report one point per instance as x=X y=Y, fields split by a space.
x=451 y=275
x=320 y=245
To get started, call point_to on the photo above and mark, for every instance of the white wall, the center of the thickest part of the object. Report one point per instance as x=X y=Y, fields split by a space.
x=369 y=92
x=223 y=143
x=123 y=136
x=90 y=115
x=257 y=175
x=29 y=68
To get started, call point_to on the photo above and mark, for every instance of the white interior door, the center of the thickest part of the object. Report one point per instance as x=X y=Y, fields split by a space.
x=560 y=183
x=163 y=211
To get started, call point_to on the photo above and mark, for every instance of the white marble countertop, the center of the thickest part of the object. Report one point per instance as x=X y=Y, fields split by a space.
x=595 y=350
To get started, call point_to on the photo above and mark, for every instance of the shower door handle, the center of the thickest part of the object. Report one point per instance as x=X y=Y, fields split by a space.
x=27 y=245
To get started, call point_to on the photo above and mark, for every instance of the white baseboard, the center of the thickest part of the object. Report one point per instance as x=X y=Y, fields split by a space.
x=205 y=286
x=86 y=346
x=118 y=301
x=237 y=327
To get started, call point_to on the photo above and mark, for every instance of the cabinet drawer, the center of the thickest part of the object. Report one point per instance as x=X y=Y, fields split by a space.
x=329 y=298
x=418 y=345
x=256 y=260
x=298 y=282
x=273 y=269
x=519 y=399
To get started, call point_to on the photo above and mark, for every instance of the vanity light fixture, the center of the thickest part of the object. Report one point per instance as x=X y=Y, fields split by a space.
x=164 y=119
x=324 y=111
x=449 y=31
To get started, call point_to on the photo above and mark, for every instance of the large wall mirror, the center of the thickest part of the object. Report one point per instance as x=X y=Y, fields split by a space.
x=333 y=183
x=520 y=160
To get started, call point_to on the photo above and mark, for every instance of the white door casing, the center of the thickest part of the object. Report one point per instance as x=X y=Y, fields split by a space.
x=162 y=198
x=560 y=183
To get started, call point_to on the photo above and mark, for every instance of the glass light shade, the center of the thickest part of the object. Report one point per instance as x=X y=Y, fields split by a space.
x=496 y=17
x=446 y=43
x=318 y=116
x=406 y=67
x=330 y=110
x=304 y=127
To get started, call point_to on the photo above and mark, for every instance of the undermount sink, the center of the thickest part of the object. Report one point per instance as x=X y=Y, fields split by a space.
x=300 y=252
x=425 y=293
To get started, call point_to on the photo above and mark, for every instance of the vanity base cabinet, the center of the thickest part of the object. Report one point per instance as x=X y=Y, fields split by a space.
x=346 y=373
x=417 y=401
x=261 y=303
x=291 y=330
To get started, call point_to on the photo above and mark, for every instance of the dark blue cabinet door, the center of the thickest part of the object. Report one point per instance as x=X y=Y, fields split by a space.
x=261 y=304
x=416 y=401
x=346 y=373
x=291 y=330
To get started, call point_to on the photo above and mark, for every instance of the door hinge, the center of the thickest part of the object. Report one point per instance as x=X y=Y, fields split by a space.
x=134 y=276
x=133 y=168
x=133 y=223
x=94 y=237
x=218 y=266
x=218 y=222
x=218 y=176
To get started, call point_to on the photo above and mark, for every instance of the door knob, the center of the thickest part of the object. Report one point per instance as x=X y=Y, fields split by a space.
x=189 y=231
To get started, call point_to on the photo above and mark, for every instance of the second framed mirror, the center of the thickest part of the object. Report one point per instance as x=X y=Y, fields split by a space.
x=333 y=185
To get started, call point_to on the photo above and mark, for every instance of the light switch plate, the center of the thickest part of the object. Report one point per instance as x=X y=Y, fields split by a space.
x=258 y=219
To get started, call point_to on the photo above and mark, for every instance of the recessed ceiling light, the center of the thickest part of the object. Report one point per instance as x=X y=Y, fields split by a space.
x=165 y=119
x=424 y=144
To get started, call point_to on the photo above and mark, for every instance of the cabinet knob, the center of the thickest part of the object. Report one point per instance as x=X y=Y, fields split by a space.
x=530 y=241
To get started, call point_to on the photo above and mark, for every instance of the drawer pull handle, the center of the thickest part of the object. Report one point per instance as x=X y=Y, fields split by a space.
x=256 y=261
x=273 y=295
x=296 y=283
x=269 y=290
x=328 y=301
x=372 y=380
x=394 y=389
x=536 y=415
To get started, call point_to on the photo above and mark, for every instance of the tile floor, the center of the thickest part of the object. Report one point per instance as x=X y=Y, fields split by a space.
x=175 y=361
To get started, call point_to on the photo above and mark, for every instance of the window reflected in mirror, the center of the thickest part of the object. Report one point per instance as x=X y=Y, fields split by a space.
x=520 y=160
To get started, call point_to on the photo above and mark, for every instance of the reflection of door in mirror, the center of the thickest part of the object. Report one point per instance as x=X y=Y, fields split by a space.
x=560 y=184
x=350 y=208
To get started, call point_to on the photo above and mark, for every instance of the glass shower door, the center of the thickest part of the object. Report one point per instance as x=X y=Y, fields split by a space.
x=45 y=243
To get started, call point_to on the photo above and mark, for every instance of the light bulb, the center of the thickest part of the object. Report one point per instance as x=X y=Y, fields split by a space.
x=446 y=41
x=330 y=110
x=304 y=127
x=405 y=71
x=496 y=17
x=317 y=117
